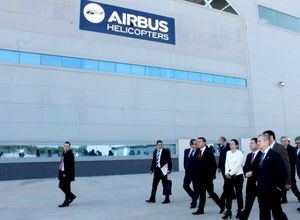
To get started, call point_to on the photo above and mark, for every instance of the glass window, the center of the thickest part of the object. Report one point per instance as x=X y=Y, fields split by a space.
x=9 y=56
x=194 y=76
x=206 y=78
x=222 y=5
x=71 y=62
x=138 y=70
x=179 y=74
x=50 y=60
x=219 y=79
x=153 y=71
x=241 y=82
x=90 y=64
x=279 y=19
x=107 y=66
x=30 y=58
x=167 y=73
x=123 y=68
x=230 y=81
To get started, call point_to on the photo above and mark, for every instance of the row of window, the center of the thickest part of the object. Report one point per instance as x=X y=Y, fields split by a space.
x=116 y=67
x=279 y=19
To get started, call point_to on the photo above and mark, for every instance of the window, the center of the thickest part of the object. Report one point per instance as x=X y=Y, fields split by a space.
x=90 y=64
x=222 y=5
x=9 y=56
x=117 y=67
x=50 y=60
x=106 y=66
x=30 y=58
x=71 y=62
x=279 y=19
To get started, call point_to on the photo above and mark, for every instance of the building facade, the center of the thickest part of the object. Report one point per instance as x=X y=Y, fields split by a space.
x=233 y=71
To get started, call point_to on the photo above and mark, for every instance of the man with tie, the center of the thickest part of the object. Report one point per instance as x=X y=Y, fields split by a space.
x=66 y=174
x=250 y=171
x=206 y=168
x=292 y=152
x=161 y=157
x=190 y=160
x=297 y=142
x=283 y=154
x=271 y=181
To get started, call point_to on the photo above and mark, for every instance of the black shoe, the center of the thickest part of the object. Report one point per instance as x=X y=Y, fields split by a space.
x=150 y=201
x=193 y=205
x=65 y=204
x=298 y=209
x=72 y=199
x=222 y=209
x=166 y=201
x=238 y=215
x=228 y=215
x=198 y=212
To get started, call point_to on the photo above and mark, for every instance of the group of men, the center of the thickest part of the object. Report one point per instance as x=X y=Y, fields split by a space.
x=270 y=169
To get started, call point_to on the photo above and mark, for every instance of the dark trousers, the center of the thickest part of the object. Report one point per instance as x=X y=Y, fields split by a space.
x=270 y=201
x=157 y=176
x=294 y=189
x=202 y=188
x=188 y=179
x=251 y=193
x=235 y=183
x=223 y=196
x=65 y=186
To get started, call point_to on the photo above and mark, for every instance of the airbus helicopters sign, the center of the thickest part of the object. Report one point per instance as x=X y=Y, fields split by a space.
x=109 y=19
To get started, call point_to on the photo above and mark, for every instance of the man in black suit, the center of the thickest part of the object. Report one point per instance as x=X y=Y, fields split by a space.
x=292 y=152
x=190 y=161
x=283 y=154
x=224 y=146
x=271 y=181
x=297 y=142
x=250 y=171
x=205 y=174
x=66 y=174
x=161 y=157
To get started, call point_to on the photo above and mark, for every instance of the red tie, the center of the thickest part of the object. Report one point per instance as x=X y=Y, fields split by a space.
x=200 y=154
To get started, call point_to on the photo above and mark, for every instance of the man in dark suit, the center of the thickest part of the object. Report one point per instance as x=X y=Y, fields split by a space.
x=250 y=171
x=224 y=146
x=66 y=174
x=271 y=181
x=292 y=152
x=190 y=161
x=205 y=174
x=297 y=142
x=161 y=157
x=283 y=154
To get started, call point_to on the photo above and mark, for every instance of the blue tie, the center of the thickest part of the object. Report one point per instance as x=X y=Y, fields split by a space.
x=261 y=159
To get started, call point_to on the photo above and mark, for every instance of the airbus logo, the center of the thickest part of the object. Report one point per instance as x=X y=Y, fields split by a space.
x=94 y=13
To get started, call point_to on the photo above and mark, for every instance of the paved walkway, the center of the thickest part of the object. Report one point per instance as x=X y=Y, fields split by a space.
x=107 y=198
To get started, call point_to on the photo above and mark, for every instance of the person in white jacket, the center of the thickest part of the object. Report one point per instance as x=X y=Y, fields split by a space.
x=234 y=178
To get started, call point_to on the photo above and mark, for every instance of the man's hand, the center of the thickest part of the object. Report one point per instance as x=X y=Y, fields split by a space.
x=287 y=186
x=64 y=175
x=151 y=172
x=249 y=174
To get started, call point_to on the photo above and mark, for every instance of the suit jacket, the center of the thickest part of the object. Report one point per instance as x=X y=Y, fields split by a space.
x=298 y=163
x=222 y=157
x=206 y=166
x=272 y=174
x=285 y=157
x=292 y=152
x=190 y=163
x=69 y=166
x=254 y=166
x=165 y=158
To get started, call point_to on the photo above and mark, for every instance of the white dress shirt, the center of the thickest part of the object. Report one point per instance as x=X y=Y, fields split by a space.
x=191 y=153
x=272 y=145
x=234 y=163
